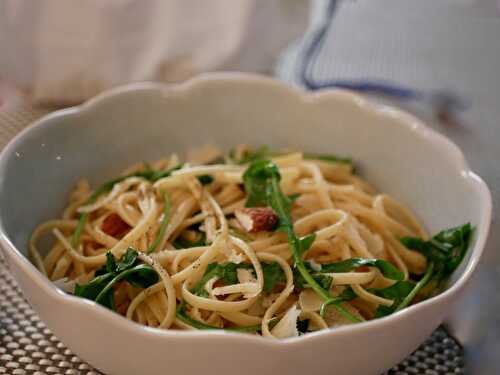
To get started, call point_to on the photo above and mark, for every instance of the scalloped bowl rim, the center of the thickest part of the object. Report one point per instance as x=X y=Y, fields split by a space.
x=449 y=149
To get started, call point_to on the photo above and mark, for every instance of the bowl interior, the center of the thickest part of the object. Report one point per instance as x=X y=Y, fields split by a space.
x=391 y=149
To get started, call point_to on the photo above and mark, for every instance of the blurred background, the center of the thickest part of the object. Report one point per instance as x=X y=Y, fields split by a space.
x=439 y=59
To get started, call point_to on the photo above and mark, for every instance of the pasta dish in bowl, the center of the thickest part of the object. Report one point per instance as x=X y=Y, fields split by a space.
x=276 y=247
x=143 y=257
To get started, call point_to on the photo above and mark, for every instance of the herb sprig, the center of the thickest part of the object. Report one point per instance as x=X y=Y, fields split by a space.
x=262 y=185
x=444 y=252
x=320 y=274
x=128 y=268
x=163 y=225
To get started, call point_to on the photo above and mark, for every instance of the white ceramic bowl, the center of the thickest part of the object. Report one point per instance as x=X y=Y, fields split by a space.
x=393 y=150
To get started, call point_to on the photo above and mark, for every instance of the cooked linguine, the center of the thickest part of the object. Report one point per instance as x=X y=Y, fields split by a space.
x=273 y=244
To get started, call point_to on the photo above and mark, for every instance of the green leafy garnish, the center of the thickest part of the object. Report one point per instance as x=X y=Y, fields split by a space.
x=148 y=173
x=444 y=252
x=128 y=268
x=396 y=292
x=273 y=275
x=262 y=185
x=126 y=261
x=300 y=283
x=446 y=249
x=163 y=225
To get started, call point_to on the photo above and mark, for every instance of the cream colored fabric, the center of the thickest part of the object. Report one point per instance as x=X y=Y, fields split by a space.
x=66 y=51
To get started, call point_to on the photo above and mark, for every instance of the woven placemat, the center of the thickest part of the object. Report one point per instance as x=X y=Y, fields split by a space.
x=28 y=347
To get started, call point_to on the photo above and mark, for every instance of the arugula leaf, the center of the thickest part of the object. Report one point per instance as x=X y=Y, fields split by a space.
x=127 y=261
x=110 y=265
x=262 y=186
x=324 y=281
x=348 y=294
x=329 y=158
x=273 y=275
x=257 y=179
x=386 y=268
x=227 y=272
x=444 y=253
x=140 y=276
x=445 y=250
x=306 y=242
x=163 y=225
x=128 y=268
x=148 y=174
x=94 y=287
x=396 y=292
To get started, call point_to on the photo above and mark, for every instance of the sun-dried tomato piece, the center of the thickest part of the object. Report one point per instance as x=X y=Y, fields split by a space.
x=113 y=225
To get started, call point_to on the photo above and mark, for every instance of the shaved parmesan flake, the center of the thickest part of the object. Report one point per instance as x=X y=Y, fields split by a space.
x=287 y=326
x=309 y=300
